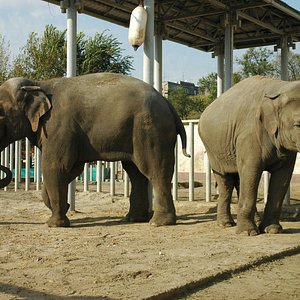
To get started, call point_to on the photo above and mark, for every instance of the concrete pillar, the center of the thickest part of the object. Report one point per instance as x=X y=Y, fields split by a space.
x=71 y=71
x=158 y=63
x=284 y=74
x=228 y=51
x=220 y=76
x=148 y=61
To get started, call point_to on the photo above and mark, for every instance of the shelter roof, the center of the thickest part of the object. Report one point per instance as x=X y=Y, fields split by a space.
x=200 y=24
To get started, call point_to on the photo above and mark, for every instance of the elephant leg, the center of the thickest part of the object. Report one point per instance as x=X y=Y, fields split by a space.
x=257 y=218
x=160 y=175
x=56 y=188
x=139 y=203
x=249 y=181
x=225 y=186
x=55 y=221
x=278 y=186
x=46 y=197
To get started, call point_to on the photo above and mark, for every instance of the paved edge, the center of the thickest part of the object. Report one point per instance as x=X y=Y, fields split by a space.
x=197 y=285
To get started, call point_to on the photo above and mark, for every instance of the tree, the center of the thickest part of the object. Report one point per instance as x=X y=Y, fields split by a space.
x=180 y=101
x=208 y=85
x=102 y=53
x=257 y=61
x=45 y=57
x=4 y=60
x=42 y=57
x=293 y=66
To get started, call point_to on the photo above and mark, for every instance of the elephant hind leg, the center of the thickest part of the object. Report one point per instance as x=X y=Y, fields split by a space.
x=226 y=184
x=139 y=203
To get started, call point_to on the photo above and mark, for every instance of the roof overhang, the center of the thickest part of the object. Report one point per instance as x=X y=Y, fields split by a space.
x=200 y=24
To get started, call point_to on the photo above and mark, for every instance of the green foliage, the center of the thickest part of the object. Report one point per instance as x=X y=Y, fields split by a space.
x=257 y=61
x=208 y=85
x=42 y=57
x=293 y=66
x=102 y=53
x=4 y=60
x=45 y=57
x=188 y=107
x=179 y=99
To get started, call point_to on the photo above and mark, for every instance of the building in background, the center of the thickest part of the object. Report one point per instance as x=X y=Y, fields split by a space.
x=168 y=87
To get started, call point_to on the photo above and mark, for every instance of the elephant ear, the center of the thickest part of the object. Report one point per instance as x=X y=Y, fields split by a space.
x=36 y=105
x=268 y=114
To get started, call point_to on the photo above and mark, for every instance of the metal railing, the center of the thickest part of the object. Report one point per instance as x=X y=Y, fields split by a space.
x=24 y=160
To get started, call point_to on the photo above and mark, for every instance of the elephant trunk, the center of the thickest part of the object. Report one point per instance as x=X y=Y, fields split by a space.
x=7 y=179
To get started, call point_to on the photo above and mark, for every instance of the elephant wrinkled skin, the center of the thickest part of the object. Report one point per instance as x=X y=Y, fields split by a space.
x=96 y=117
x=252 y=127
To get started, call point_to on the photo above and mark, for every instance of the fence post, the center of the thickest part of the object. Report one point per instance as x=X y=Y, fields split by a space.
x=208 y=178
x=191 y=170
x=6 y=160
x=126 y=185
x=99 y=177
x=85 y=177
x=38 y=168
x=175 y=174
x=27 y=164
x=112 y=179
x=17 y=165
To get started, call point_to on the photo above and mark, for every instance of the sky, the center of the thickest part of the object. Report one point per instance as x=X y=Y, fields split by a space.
x=18 y=18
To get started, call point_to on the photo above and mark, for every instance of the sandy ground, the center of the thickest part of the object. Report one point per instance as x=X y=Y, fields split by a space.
x=101 y=257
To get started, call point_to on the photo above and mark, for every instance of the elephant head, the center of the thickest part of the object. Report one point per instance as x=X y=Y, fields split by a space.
x=22 y=104
x=280 y=115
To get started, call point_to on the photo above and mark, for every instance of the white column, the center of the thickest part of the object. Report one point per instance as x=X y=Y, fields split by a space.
x=27 y=165
x=149 y=43
x=71 y=71
x=191 y=169
x=220 y=75
x=158 y=63
x=17 y=165
x=175 y=174
x=228 y=50
x=6 y=160
x=284 y=74
x=99 y=176
x=112 y=178
x=148 y=62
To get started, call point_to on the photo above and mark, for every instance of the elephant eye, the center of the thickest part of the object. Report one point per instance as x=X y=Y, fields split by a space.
x=297 y=124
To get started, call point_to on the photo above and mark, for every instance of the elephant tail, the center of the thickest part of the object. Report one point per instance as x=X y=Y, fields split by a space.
x=180 y=129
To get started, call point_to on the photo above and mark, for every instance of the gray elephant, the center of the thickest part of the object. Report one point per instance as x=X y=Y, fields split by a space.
x=252 y=127
x=95 y=117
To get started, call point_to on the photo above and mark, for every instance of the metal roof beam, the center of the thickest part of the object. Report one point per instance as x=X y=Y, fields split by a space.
x=192 y=32
x=260 y=23
x=284 y=8
x=192 y=15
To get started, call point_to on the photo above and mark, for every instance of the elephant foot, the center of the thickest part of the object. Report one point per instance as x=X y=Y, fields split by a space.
x=58 y=222
x=136 y=218
x=248 y=229
x=225 y=221
x=272 y=229
x=163 y=219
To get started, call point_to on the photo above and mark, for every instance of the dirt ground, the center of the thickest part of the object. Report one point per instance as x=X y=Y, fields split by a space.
x=101 y=257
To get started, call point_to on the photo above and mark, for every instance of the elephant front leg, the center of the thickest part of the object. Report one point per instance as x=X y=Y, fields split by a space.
x=54 y=194
x=225 y=185
x=278 y=186
x=249 y=181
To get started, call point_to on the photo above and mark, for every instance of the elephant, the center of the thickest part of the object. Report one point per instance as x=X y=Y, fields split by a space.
x=102 y=116
x=252 y=127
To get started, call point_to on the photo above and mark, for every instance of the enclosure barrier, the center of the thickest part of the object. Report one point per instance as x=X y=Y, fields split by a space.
x=24 y=160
